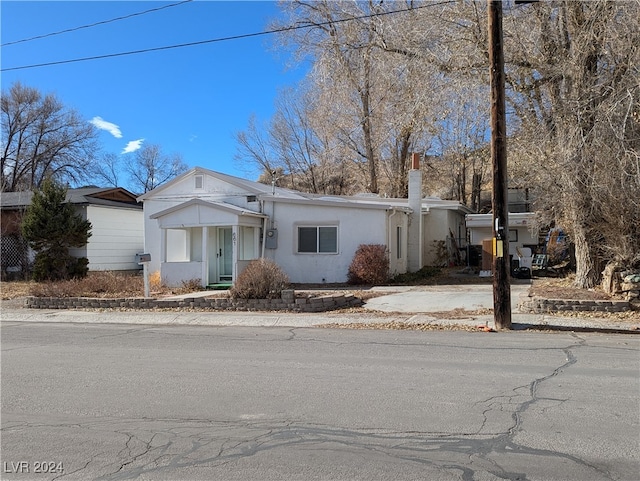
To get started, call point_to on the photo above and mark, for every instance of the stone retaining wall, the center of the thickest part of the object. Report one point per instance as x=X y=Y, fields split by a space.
x=540 y=304
x=287 y=302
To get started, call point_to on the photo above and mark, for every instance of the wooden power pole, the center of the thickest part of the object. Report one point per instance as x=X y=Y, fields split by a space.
x=499 y=201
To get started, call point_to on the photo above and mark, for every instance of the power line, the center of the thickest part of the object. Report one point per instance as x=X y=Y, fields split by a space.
x=223 y=39
x=94 y=24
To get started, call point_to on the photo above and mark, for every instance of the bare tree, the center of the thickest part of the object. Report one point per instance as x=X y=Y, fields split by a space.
x=292 y=148
x=386 y=84
x=374 y=95
x=108 y=170
x=461 y=145
x=42 y=139
x=151 y=167
x=574 y=82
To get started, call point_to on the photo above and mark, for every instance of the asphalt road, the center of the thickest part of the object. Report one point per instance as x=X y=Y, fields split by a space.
x=117 y=402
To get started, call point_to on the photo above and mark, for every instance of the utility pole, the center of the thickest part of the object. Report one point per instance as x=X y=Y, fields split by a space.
x=499 y=202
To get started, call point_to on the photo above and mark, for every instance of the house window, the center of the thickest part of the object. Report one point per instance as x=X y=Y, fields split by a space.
x=199 y=179
x=318 y=239
x=184 y=245
x=399 y=242
x=248 y=245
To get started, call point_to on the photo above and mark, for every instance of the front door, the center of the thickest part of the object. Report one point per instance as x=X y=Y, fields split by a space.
x=225 y=255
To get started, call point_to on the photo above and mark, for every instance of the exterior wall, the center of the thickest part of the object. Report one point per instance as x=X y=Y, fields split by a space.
x=525 y=237
x=152 y=234
x=173 y=273
x=437 y=224
x=397 y=242
x=355 y=227
x=116 y=237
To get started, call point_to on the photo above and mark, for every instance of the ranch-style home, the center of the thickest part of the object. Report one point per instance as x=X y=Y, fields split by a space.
x=208 y=226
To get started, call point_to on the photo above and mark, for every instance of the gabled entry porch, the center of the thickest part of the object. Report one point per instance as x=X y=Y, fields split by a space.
x=211 y=242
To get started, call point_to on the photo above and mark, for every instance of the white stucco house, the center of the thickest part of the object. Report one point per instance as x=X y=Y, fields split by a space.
x=207 y=225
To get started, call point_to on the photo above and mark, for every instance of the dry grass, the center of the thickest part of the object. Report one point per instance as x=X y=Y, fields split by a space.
x=15 y=289
x=96 y=284
x=563 y=288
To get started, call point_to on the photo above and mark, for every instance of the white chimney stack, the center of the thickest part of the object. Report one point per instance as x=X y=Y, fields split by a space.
x=414 y=238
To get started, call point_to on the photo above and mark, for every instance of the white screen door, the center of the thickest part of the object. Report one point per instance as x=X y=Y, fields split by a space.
x=225 y=254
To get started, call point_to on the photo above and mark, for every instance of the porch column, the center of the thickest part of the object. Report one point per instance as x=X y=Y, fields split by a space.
x=163 y=246
x=235 y=236
x=205 y=256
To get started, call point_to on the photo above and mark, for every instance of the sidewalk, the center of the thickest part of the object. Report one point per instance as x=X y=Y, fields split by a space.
x=297 y=320
x=472 y=304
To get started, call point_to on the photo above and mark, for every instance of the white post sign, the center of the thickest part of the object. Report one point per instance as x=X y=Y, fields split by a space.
x=144 y=259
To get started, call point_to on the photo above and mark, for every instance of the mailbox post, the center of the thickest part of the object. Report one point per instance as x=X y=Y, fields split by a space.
x=144 y=259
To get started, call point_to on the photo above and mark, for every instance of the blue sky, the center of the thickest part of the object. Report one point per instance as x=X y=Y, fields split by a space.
x=189 y=100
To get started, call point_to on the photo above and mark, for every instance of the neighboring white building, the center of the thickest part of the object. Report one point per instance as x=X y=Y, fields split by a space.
x=521 y=233
x=206 y=225
x=117 y=228
x=117 y=225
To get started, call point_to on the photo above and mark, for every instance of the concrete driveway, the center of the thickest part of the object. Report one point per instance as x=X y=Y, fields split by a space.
x=422 y=299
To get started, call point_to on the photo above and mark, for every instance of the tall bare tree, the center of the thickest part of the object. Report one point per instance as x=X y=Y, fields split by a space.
x=151 y=167
x=461 y=145
x=108 y=170
x=389 y=83
x=42 y=139
x=292 y=148
x=575 y=88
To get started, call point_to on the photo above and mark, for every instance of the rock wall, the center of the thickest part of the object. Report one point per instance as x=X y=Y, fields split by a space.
x=541 y=304
x=287 y=302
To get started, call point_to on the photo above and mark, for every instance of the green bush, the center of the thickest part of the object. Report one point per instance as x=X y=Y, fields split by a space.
x=370 y=265
x=261 y=279
x=48 y=266
x=51 y=226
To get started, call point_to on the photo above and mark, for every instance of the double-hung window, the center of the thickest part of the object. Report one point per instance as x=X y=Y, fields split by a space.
x=318 y=239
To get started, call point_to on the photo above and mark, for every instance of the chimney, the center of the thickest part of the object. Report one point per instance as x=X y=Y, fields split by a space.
x=415 y=161
x=414 y=235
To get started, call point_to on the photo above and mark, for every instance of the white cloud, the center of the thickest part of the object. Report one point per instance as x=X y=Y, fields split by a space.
x=132 y=146
x=102 y=124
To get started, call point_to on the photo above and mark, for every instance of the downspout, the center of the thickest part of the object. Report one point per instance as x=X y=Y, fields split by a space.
x=264 y=229
x=264 y=236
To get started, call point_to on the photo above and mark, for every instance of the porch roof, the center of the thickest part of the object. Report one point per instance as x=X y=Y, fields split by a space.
x=211 y=204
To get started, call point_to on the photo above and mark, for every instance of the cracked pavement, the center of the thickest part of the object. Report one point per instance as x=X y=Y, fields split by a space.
x=113 y=402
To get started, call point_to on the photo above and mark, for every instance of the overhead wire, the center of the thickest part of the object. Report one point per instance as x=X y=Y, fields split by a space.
x=225 y=39
x=116 y=19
